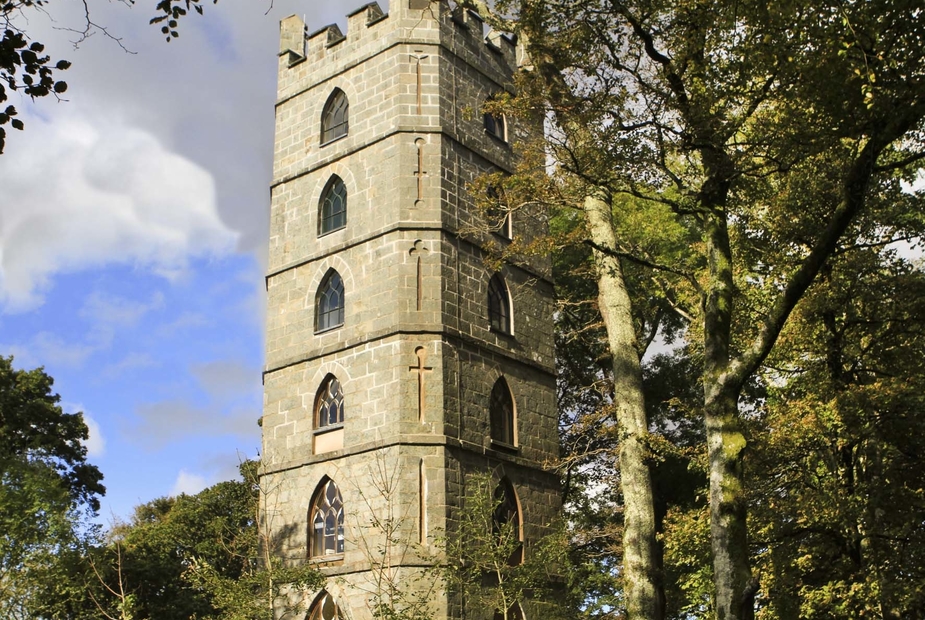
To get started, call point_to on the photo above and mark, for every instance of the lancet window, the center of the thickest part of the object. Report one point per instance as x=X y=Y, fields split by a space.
x=325 y=608
x=506 y=521
x=329 y=403
x=499 y=216
x=501 y=413
x=329 y=302
x=334 y=117
x=326 y=522
x=332 y=210
x=495 y=125
x=499 y=305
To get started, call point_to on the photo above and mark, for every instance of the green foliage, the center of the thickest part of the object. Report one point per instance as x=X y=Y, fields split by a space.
x=252 y=594
x=488 y=564
x=839 y=507
x=47 y=488
x=749 y=143
x=24 y=66
x=686 y=535
x=193 y=556
x=35 y=431
x=203 y=555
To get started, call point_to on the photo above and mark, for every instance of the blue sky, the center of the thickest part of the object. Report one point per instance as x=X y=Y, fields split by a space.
x=133 y=226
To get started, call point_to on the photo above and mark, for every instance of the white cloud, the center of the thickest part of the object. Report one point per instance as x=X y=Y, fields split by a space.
x=95 y=443
x=46 y=348
x=113 y=310
x=188 y=483
x=224 y=380
x=132 y=361
x=100 y=192
x=172 y=420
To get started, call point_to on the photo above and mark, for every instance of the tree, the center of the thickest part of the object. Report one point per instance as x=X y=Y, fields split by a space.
x=723 y=114
x=26 y=67
x=400 y=585
x=487 y=563
x=192 y=556
x=206 y=555
x=259 y=588
x=838 y=505
x=46 y=486
x=35 y=430
x=591 y=431
x=623 y=332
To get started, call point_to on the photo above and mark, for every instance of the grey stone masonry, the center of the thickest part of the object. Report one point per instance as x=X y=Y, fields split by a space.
x=415 y=356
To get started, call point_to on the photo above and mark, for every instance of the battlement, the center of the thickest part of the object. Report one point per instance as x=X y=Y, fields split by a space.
x=411 y=20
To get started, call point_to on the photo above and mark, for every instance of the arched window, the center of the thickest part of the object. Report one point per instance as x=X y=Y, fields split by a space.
x=329 y=403
x=332 y=210
x=506 y=521
x=334 y=117
x=499 y=305
x=326 y=521
x=495 y=125
x=501 y=413
x=325 y=608
x=329 y=302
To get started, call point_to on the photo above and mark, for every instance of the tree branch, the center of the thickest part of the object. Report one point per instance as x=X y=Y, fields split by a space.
x=853 y=201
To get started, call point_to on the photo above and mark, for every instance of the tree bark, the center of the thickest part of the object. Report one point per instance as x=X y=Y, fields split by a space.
x=735 y=587
x=643 y=586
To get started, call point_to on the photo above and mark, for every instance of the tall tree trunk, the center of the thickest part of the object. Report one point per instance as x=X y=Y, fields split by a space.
x=644 y=591
x=735 y=588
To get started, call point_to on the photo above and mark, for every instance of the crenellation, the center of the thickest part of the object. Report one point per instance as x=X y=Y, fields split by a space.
x=366 y=15
x=292 y=40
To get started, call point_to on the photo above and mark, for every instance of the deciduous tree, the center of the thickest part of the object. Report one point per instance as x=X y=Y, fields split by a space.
x=723 y=113
x=47 y=488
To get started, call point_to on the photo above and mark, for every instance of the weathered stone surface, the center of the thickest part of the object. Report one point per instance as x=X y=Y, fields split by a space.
x=415 y=293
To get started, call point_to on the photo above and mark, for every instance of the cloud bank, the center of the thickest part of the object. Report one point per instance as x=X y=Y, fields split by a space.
x=98 y=193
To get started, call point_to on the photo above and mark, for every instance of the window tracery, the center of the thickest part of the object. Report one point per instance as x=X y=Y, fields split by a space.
x=334 y=117
x=326 y=522
x=325 y=608
x=329 y=403
x=332 y=209
x=329 y=302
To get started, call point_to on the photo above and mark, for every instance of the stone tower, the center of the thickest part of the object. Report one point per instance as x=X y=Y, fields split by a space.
x=397 y=362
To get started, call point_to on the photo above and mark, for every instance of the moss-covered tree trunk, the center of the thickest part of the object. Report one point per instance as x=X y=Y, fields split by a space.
x=735 y=590
x=641 y=566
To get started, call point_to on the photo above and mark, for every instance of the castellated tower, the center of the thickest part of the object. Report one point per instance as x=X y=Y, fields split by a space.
x=398 y=363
